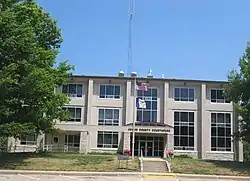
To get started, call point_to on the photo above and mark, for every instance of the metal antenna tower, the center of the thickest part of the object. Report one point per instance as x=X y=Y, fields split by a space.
x=131 y=11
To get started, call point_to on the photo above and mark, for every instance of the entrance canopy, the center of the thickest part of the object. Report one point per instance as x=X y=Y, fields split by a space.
x=151 y=127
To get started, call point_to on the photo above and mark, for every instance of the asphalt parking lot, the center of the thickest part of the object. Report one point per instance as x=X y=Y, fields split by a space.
x=20 y=177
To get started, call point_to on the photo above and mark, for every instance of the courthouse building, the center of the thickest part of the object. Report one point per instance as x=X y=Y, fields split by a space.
x=189 y=117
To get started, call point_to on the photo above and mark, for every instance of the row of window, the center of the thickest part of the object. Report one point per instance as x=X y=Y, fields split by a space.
x=184 y=131
x=114 y=92
x=221 y=131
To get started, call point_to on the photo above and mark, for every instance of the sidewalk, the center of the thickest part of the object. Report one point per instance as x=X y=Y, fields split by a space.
x=145 y=174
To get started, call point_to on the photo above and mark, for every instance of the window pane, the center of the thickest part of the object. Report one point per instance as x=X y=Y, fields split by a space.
x=139 y=115
x=228 y=143
x=154 y=93
x=115 y=138
x=154 y=105
x=213 y=142
x=177 y=93
x=191 y=141
x=176 y=130
x=221 y=131
x=184 y=141
x=109 y=90
x=146 y=116
x=228 y=132
x=101 y=113
x=191 y=94
x=117 y=91
x=191 y=131
x=108 y=113
x=213 y=132
x=79 y=90
x=213 y=95
x=221 y=142
x=78 y=113
x=154 y=116
x=65 y=89
x=102 y=90
x=76 y=138
x=191 y=117
x=184 y=130
x=100 y=138
x=228 y=118
x=176 y=141
x=220 y=94
x=148 y=104
x=107 y=138
x=213 y=117
x=72 y=88
x=72 y=112
x=70 y=138
x=184 y=94
x=184 y=116
x=116 y=114
x=176 y=116
x=220 y=118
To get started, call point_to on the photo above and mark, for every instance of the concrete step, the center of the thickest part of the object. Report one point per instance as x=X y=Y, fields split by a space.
x=154 y=166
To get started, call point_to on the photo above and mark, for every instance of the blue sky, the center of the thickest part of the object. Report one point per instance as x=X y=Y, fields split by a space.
x=189 y=39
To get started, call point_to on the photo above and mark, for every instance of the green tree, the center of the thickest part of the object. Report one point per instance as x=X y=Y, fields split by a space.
x=246 y=151
x=29 y=73
x=238 y=91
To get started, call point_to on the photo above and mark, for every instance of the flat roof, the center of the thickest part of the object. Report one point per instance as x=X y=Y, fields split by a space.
x=146 y=78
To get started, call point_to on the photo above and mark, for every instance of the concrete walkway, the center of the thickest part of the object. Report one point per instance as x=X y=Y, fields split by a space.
x=153 y=159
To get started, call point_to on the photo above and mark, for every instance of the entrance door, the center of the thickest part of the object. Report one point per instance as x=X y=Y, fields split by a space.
x=142 y=149
x=149 y=148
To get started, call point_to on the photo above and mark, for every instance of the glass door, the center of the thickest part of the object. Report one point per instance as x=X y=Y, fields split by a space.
x=149 y=149
x=142 y=148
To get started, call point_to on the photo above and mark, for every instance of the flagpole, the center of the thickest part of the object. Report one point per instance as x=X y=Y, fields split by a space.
x=134 y=116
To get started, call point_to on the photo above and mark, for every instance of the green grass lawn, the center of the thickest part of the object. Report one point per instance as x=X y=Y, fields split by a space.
x=195 y=166
x=65 y=162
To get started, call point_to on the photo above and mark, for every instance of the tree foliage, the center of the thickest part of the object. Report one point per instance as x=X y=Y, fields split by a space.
x=246 y=152
x=29 y=73
x=239 y=92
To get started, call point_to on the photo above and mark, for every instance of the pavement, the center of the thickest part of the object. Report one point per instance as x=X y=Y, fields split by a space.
x=25 y=175
x=21 y=177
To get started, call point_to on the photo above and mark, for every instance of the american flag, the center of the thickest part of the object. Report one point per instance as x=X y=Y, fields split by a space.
x=142 y=86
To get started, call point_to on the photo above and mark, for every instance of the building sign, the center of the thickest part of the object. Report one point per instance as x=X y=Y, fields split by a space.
x=123 y=157
x=152 y=130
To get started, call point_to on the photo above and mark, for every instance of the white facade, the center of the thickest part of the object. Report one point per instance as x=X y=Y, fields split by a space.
x=188 y=117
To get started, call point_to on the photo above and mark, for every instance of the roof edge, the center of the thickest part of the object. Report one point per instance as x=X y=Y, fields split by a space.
x=146 y=78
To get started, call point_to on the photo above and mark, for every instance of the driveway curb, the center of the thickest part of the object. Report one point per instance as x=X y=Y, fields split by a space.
x=75 y=173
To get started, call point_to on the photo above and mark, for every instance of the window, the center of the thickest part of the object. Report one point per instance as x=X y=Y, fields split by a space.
x=221 y=132
x=72 y=140
x=107 y=139
x=110 y=91
x=28 y=140
x=149 y=114
x=217 y=96
x=184 y=130
x=73 y=90
x=75 y=114
x=184 y=94
x=108 y=117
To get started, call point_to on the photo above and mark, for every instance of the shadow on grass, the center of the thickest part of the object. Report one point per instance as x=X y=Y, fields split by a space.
x=239 y=168
x=13 y=160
